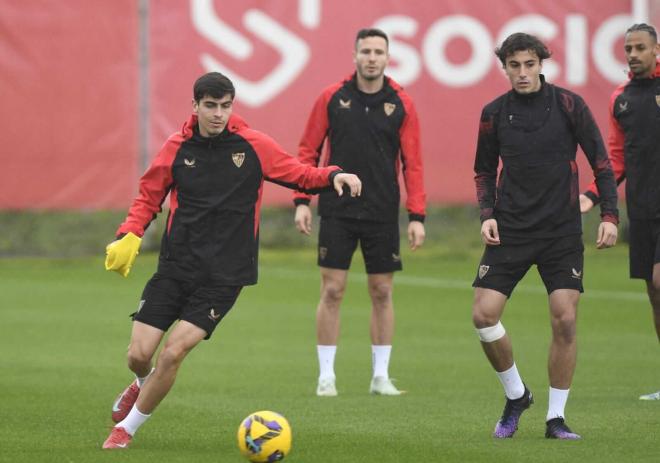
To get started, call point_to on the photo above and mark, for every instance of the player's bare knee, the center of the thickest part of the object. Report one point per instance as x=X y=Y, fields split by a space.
x=381 y=294
x=138 y=359
x=172 y=355
x=332 y=294
x=564 y=327
x=655 y=285
x=482 y=316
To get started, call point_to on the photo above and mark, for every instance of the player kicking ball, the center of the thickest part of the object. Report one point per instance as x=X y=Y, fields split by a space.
x=213 y=171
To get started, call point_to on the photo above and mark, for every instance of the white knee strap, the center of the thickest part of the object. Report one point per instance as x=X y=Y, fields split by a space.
x=491 y=333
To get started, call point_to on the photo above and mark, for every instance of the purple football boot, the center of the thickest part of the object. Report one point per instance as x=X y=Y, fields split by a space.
x=508 y=423
x=556 y=429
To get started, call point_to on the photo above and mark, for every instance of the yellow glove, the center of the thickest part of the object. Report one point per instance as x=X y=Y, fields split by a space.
x=120 y=254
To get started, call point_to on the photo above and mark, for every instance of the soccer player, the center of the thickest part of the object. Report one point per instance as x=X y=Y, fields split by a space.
x=634 y=147
x=531 y=215
x=371 y=128
x=213 y=170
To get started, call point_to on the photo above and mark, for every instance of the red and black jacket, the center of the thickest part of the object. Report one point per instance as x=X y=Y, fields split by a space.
x=373 y=136
x=634 y=145
x=215 y=187
x=536 y=137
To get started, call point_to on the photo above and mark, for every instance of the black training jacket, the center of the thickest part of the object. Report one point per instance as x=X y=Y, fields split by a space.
x=374 y=136
x=634 y=145
x=215 y=187
x=536 y=137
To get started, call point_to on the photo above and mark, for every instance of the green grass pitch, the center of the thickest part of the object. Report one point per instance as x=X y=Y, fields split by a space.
x=64 y=328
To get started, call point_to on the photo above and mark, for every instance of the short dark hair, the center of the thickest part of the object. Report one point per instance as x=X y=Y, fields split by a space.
x=213 y=84
x=522 y=42
x=372 y=32
x=643 y=27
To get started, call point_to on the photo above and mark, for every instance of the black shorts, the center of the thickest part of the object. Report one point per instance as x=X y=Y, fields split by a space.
x=559 y=262
x=165 y=300
x=379 y=242
x=644 y=248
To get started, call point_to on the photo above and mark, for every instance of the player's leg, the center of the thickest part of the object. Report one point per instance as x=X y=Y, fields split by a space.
x=337 y=244
x=645 y=265
x=382 y=332
x=500 y=269
x=144 y=342
x=183 y=338
x=561 y=268
x=653 y=290
x=561 y=360
x=380 y=245
x=333 y=286
x=158 y=309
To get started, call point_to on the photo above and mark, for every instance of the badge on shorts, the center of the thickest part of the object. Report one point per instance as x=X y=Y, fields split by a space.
x=483 y=270
x=323 y=252
x=576 y=274
x=213 y=316
x=389 y=108
x=238 y=159
x=657 y=100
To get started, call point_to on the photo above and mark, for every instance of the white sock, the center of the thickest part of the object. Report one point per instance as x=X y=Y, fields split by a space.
x=133 y=421
x=141 y=381
x=326 y=361
x=556 y=403
x=380 y=360
x=513 y=385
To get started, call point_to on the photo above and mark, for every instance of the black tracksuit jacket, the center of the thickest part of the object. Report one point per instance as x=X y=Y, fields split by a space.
x=215 y=187
x=634 y=145
x=536 y=138
x=374 y=136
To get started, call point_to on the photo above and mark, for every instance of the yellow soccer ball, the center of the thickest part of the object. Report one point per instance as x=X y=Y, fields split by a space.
x=264 y=436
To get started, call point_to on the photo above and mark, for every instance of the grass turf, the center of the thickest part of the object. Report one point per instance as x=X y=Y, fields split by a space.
x=64 y=329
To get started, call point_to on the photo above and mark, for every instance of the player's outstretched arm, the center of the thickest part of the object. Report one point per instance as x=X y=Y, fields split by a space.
x=489 y=233
x=121 y=253
x=350 y=180
x=607 y=235
x=416 y=234
x=303 y=219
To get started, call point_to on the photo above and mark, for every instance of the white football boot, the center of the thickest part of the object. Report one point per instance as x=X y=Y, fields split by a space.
x=383 y=386
x=326 y=387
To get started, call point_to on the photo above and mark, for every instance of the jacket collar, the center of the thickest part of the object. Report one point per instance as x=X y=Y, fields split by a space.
x=234 y=124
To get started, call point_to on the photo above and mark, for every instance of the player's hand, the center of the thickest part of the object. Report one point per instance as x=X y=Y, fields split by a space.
x=489 y=234
x=416 y=234
x=350 y=180
x=303 y=219
x=607 y=234
x=585 y=204
x=120 y=254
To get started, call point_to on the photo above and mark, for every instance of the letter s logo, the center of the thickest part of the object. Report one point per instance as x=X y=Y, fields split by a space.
x=294 y=52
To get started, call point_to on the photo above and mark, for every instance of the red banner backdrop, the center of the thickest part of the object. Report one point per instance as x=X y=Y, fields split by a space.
x=69 y=104
x=71 y=112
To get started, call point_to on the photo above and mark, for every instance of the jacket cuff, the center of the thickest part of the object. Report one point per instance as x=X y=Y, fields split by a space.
x=333 y=174
x=416 y=218
x=592 y=196
x=301 y=201
x=609 y=218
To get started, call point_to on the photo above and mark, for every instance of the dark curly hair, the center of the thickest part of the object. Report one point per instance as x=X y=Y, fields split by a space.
x=522 y=42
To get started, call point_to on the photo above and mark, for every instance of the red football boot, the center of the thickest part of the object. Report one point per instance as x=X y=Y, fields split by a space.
x=125 y=402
